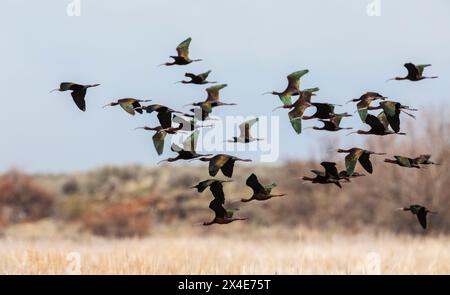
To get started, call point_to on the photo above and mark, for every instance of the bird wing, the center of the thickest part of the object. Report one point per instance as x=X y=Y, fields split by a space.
x=422 y=216
x=202 y=185
x=403 y=161
x=216 y=163
x=213 y=92
x=204 y=75
x=383 y=119
x=362 y=108
x=413 y=71
x=252 y=181
x=330 y=169
x=190 y=143
x=374 y=122
x=420 y=68
x=165 y=119
x=285 y=99
x=158 y=141
x=64 y=86
x=218 y=209
x=176 y=148
x=294 y=78
x=351 y=159
x=323 y=109
x=183 y=48
x=227 y=168
x=336 y=120
x=296 y=120
x=128 y=105
x=329 y=124
x=364 y=160
x=245 y=127
x=217 y=190
x=422 y=159
x=78 y=98
x=136 y=104
x=389 y=107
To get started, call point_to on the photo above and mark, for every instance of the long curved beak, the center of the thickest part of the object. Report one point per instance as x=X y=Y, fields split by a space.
x=280 y=107
x=269 y=92
x=106 y=105
x=398 y=209
x=54 y=90
x=351 y=100
x=390 y=79
x=186 y=105
x=139 y=128
x=161 y=161
x=177 y=82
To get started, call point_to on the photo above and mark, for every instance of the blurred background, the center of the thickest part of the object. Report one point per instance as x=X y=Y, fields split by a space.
x=65 y=173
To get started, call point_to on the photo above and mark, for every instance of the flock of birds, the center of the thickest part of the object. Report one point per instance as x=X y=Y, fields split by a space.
x=324 y=112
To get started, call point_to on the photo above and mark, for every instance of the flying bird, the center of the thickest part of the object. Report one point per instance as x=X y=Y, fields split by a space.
x=212 y=100
x=332 y=124
x=222 y=162
x=222 y=215
x=164 y=113
x=214 y=186
x=293 y=87
x=415 y=73
x=364 y=101
x=198 y=79
x=330 y=175
x=182 y=57
x=78 y=92
x=356 y=155
x=378 y=126
x=260 y=192
x=421 y=213
x=160 y=135
x=245 y=135
x=403 y=162
x=392 y=111
x=129 y=105
x=296 y=114
x=188 y=151
x=324 y=111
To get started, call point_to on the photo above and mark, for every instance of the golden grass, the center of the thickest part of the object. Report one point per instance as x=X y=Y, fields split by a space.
x=312 y=253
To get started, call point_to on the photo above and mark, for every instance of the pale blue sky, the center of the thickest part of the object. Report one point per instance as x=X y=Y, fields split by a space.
x=251 y=45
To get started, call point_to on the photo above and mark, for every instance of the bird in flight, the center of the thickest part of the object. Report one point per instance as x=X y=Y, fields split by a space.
x=129 y=105
x=421 y=213
x=293 y=87
x=78 y=92
x=199 y=79
x=364 y=101
x=415 y=73
x=358 y=155
x=260 y=192
x=245 y=135
x=379 y=125
x=330 y=175
x=182 y=57
x=392 y=111
x=222 y=162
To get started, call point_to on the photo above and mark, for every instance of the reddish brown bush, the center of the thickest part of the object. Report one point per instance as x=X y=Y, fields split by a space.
x=22 y=200
x=121 y=219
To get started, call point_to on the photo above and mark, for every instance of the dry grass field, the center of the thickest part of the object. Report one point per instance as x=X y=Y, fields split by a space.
x=306 y=253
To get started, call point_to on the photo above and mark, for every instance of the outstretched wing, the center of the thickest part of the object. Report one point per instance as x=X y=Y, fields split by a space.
x=158 y=141
x=422 y=216
x=403 y=161
x=296 y=121
x=213 y=92
x=323 y=110
x=228 y=167
x=364 y=160
x=190 y=143
x=165 y=118
x=422 y=159
x=420 y=68
x=78 y=98
x=330 y=169
x=245 y=127
x=351 y=160
x=374 y=122
x=413 y=71
x=218 y=209
x=204 y=75
x=216 y=163
x=183 y=48
x=217 y=190
x=294 y=78
x=252 y=181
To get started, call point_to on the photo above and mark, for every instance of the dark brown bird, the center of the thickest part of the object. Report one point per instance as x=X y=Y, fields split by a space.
x=212 y=100
x=222 y=215
x=245 y=135
x=187 y=152
x=222 y=162
x=129 y=105
x=182 y=57
x=296 y=114
x=160 y=135
x=164 y=113
x=214 y=185
x=199 y=79
x=415 y=73
x=78 y=92
x=293 y=87
x=330 y=175
x=424 y=160
x=260 y=192
x=378 y=126
x=331 y=124
x=324 y=111
x=364 y=101
x=355 y=155
x=392 y=111
x=421 y=213
x=403 y=162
